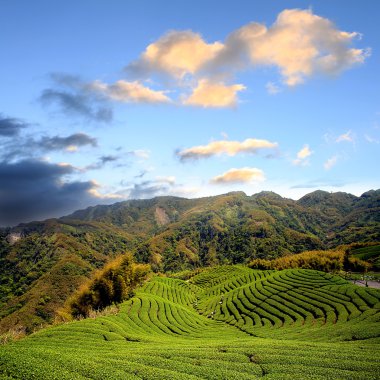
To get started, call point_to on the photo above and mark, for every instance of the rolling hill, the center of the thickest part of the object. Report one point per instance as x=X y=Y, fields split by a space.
x=228 y=322
x=45 y=262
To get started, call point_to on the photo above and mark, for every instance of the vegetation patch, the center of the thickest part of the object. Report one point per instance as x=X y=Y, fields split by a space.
x=111 y=285
x=228 y=322
x=335 y=260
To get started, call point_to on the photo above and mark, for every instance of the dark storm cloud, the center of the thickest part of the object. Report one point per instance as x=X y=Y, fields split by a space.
x=35 y=190
x=10 y=127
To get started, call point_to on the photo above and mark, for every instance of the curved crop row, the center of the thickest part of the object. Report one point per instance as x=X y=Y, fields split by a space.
x=201 y=329
x=291 y=298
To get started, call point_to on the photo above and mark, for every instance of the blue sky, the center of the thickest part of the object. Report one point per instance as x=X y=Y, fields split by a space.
x=110 y=100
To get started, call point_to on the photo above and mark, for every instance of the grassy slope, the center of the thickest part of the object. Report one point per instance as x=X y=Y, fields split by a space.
x=54 y=257
x=224 y=323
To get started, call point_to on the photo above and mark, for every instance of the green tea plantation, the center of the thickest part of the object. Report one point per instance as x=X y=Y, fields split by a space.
x=228 y=322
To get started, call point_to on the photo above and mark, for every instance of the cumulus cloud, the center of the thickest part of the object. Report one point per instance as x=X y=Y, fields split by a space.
x=302 y=156
x=330 y=162
x=345 y=137
x=243 y=175
x=230 y=148
x=130 y=92
x=299 y=44
x=214 y=94
x=11 y=127
x=177 y=53
x=34 y=190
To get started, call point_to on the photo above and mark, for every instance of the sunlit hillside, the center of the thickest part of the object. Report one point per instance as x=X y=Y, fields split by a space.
x=230 y=322
x=45 y=262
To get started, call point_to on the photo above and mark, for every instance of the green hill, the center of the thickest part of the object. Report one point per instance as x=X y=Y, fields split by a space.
x=235 y=228
x=45 y=262
x=229 y=322
x=48 y=262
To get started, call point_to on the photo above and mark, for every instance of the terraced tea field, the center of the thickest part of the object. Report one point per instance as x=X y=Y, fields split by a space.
x=229 y=322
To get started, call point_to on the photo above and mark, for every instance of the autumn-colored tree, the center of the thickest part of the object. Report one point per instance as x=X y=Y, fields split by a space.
x=112 y=284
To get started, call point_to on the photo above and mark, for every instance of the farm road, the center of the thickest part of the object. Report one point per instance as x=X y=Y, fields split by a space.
x=371 y=284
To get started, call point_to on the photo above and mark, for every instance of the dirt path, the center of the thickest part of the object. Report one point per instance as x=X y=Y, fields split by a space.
x=371 y=284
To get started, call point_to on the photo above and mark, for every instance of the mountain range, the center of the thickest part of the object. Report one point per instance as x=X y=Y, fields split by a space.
x=44 y=263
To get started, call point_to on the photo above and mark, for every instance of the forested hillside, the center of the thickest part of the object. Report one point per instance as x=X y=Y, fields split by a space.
x=234 y=228
x=43 y=263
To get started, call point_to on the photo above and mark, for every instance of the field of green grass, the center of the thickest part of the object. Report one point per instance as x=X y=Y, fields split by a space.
x=228 y=322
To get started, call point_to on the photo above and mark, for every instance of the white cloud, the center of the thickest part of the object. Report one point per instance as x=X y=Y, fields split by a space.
x=230 y=148
x=302 y=156
x=330 y=162
x=104 y=195
x=315 y=43
x=168 y=179
x=345 y=137
x=130 y=92
x=243 y=175
x=97 y=194
x=176 y=53
x=299 y=44
x=371 y=139
x=214 y=94
x=140 y=153
x=272 y=88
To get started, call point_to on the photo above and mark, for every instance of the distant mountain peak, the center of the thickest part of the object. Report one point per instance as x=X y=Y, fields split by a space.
x=333 y=198
x=370 y=193
x=267 y=194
